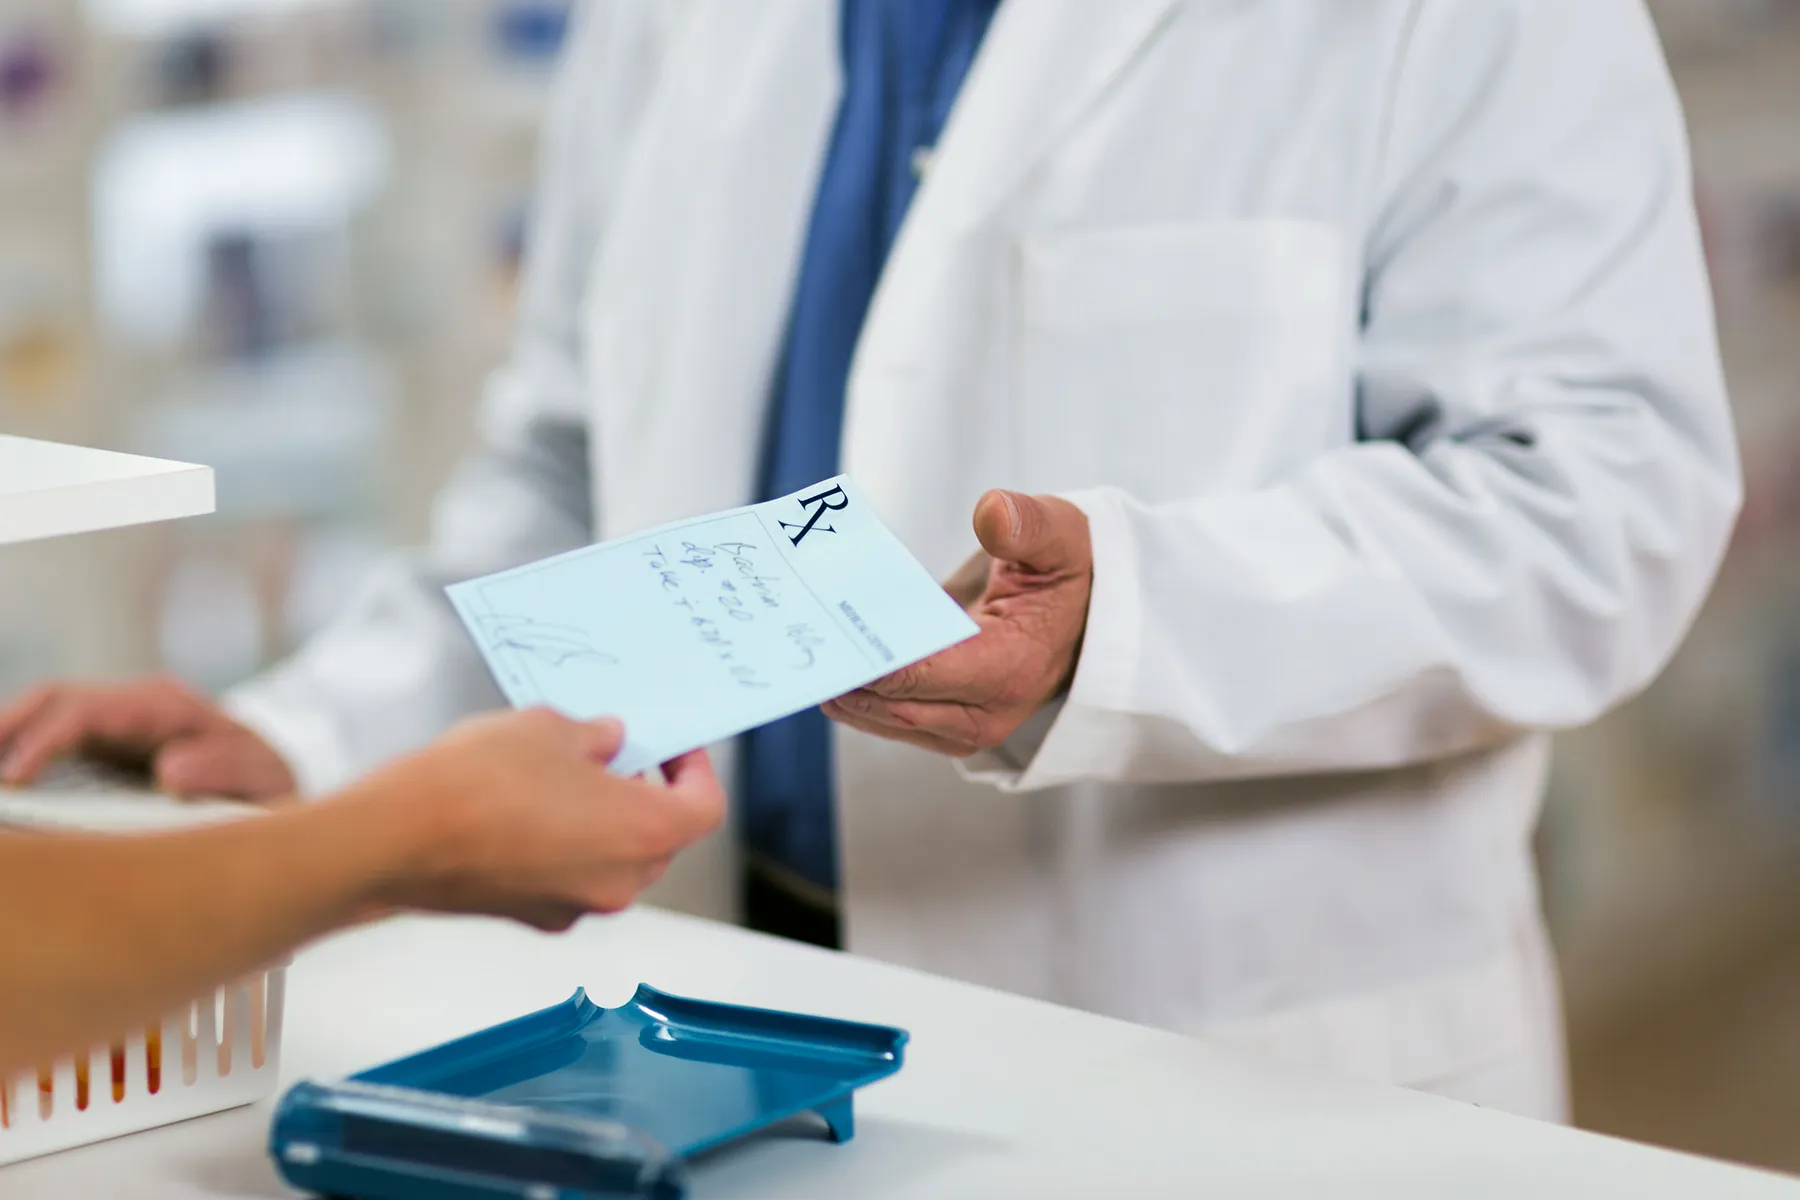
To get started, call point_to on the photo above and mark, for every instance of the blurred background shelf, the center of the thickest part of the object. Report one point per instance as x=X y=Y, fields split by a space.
x=276 y=236
x=1672 y=839
x=48 y=489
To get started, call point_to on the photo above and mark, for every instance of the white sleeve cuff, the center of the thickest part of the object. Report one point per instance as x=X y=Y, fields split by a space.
x=1003 y=764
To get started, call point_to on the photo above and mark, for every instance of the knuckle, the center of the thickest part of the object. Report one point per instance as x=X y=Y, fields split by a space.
x=903 y=682
x=984 y=733
x=653 y=835
x=66 y=719
x=1034 y=518
x=611 y=897
x=493 y=723
x=555 y=922
x=1015 y=690
x=541 y=723
x=45 y=709
x=883 y=712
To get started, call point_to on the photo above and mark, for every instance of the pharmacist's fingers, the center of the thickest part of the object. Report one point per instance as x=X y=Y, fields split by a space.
x=954 y=724
x=893 y=733
x=130 y=717
x=24 y=710
x=141 y=716
x=57 y=729
x=222 y=764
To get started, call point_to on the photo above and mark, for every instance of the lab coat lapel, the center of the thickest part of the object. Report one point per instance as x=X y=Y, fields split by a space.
x=1043 y=65
x=913 y=437
x=697 y=264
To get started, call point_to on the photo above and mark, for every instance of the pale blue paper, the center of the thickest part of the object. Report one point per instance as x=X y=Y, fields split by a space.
x=699 y=630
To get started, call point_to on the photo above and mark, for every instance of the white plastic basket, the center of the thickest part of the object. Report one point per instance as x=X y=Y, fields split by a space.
x=218 y=1053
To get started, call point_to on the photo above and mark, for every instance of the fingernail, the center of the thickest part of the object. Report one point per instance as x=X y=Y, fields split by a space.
x=1016 y=521
x=611 y=726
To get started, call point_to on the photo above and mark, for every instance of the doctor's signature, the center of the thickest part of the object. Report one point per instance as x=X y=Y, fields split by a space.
x=551 y=644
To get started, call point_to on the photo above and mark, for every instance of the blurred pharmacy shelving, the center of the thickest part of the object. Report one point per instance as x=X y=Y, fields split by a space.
x=276 y=236
x=1672 y=838
x=1677 y=813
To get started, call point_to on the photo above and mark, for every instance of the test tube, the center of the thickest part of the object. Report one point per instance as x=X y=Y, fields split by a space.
x=153 y=1052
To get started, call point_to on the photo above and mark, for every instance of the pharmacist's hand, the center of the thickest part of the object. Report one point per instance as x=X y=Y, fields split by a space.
x=526 y=822
x=180 y=736
x=1028 y=590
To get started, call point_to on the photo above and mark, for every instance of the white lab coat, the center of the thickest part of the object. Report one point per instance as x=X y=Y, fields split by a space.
x=1374 y=339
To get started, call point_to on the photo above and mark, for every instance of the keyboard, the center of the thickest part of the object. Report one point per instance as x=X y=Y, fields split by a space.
x=85 y=795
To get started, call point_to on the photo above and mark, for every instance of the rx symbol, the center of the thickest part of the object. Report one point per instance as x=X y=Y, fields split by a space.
x=823 y=500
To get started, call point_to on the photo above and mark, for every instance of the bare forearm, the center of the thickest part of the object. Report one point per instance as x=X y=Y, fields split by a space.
x=100 y=934
x=513 y=814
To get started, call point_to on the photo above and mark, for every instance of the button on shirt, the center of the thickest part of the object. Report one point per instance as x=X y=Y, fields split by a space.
x=904 y=63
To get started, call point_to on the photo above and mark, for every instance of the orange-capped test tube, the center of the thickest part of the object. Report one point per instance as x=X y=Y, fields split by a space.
x=153 y=1052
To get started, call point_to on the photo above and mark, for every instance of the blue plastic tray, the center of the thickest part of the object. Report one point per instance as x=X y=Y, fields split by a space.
x=576 y=1102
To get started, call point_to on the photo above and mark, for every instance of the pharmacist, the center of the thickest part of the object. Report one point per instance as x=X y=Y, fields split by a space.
x=1350 y=372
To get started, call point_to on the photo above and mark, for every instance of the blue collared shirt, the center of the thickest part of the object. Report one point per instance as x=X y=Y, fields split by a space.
x=904 y=63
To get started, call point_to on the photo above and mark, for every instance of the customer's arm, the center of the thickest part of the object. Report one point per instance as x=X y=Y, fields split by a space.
x=512 y=815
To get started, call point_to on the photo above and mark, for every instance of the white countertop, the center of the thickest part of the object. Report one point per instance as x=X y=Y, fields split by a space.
x=999 y=1096
x=48 y=489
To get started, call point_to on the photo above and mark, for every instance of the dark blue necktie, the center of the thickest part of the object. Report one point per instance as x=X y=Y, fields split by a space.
x=904 y=62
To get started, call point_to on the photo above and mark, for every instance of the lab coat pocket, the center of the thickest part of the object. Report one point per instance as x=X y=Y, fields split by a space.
x=1175 y=360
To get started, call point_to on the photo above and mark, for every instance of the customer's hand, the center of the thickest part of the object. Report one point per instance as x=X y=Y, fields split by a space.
x=522 y=819
x=186 y=742
x=1031 y=602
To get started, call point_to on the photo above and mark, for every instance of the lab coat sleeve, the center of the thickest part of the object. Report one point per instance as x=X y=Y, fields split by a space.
x=396 y=667
x=1544 y=478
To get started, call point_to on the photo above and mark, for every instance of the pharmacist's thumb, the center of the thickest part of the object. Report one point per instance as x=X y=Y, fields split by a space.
x=1042 y=534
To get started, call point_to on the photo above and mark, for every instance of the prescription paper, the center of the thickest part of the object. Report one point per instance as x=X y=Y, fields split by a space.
x=699 y=630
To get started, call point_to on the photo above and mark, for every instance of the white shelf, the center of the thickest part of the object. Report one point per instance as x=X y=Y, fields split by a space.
x=48 y=489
